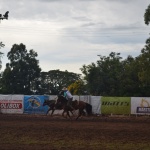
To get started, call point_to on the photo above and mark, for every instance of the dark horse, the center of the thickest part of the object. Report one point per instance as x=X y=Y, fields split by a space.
x=53 y=107
x=77 y=105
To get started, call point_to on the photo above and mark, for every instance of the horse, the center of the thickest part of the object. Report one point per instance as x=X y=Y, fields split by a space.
x=77 y=105
x=52 y=106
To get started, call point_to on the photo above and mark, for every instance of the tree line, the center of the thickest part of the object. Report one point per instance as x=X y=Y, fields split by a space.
x=113 y=76
x=23 y=75
x=109 y=76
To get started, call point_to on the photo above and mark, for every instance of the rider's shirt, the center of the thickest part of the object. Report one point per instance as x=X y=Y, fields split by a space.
x=67 y=94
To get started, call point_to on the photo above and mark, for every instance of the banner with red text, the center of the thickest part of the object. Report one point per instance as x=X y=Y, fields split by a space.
x=12 y=104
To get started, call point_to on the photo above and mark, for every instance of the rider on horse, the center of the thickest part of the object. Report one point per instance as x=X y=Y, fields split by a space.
x=68 y=96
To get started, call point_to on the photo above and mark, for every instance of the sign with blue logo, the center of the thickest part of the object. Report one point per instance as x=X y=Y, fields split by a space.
x=34 y=104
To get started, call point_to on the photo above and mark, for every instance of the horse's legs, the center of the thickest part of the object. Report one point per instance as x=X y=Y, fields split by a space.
x=68 y=114
x=71 y=112
x=80 y=113
x=48 y=111
x=63 y=113
x=52 y=111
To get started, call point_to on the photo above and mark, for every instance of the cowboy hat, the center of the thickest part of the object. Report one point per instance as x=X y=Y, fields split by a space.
x=64 y=89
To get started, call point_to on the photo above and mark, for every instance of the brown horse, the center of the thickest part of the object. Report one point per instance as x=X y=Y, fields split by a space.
x=52 y=106
x=77 y=105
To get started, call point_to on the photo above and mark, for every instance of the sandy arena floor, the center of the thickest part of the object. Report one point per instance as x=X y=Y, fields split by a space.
x=40 y=132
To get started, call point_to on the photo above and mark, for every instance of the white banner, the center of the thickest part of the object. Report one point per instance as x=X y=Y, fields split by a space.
x=52 y=97
x=85 y=98
x=75 y=97
x=11 y=104
x=96 y=104
x=140 y=105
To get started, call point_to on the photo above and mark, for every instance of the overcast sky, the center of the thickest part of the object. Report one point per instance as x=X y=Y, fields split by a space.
x=67 y=34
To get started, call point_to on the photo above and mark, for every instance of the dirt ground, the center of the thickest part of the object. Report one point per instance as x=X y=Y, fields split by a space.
x=40 y=132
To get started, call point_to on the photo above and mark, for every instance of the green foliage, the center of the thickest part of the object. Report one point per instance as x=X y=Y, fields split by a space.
x=113 y=77
x=144 y=68
x=129 y=81
x=147 y=15
x=102 y=78
x=6 y=80
x=22 y=73
x=1 y=54
x=77 y=88
x=54 y=80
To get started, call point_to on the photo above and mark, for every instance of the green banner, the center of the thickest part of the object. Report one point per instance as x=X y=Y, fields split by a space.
x=115 y=105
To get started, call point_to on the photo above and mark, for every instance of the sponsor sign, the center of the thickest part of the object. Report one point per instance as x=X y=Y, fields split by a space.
x=115 y=105
x=143 y=109
x=11 y=104
x=34 y=104
x=140 y=105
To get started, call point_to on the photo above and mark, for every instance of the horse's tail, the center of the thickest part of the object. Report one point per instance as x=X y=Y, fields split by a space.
x=88 y=109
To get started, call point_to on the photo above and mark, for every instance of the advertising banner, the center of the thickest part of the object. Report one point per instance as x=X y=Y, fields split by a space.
x=52 y=97
x=96 y=104
x=34 y=104
x=85 y=98
x=11 y=104
x=140 y=105
x=115 y=105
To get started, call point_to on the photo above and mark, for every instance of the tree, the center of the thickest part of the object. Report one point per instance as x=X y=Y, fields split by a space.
x=54 y=80
x=144 y=65
x=92 y=77
x=144 y=61
x=6 y=81
x=103 y=78
x=23 y=70
x=77 y=88
x=129 y=80
x=1 y=54
x=147 y=15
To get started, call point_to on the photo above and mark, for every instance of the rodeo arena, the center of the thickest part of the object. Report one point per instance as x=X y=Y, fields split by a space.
x=116 y=123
